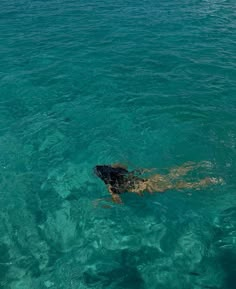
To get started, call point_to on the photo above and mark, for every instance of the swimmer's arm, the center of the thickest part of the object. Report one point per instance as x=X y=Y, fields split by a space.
x=119 y=165
x=115 y=197
x=97 y=202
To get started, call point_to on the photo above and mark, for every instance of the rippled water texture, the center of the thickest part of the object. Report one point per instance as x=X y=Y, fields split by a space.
x=149 y=83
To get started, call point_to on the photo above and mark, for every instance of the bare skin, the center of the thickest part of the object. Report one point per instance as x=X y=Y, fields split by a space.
x=161 y=183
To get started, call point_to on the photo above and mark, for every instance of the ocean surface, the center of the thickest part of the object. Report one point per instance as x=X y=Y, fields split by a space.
x=151 y=84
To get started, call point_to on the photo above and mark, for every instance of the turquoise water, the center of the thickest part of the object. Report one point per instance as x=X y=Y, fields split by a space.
x=148 y=83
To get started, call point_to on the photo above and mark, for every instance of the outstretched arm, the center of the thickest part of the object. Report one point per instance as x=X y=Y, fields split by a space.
x=119 y=165
x=115 y=197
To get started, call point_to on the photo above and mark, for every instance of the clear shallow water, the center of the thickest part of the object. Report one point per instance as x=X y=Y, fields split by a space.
x=150 y=83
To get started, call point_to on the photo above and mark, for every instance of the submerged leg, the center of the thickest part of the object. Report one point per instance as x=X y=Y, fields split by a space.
x=182 y=170
x=159 y=183
x=187 y=167
x=197 y=185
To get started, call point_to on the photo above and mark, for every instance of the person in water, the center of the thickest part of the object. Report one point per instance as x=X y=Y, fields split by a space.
x=119 y=180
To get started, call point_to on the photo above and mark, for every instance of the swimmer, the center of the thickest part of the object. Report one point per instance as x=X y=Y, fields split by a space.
x=119 y=180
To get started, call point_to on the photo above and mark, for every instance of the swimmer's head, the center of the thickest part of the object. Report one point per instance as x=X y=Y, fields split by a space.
x=109 y=174
x=102 y=172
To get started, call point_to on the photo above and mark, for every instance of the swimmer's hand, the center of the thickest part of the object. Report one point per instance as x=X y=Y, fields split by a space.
x=115 y=197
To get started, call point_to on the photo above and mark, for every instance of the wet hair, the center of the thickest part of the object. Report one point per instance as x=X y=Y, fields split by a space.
x=115 y=177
